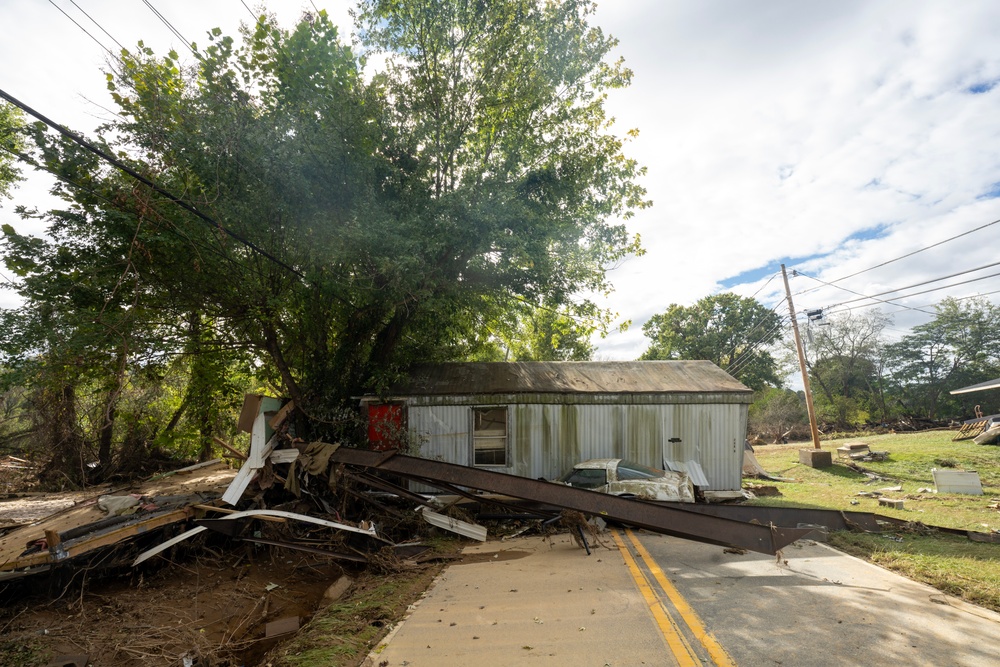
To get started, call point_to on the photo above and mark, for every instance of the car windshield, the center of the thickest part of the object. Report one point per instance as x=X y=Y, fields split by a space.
x=585 y=478
x=633 y=470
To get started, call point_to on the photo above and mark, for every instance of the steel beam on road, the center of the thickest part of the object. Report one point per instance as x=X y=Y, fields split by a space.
x=766 y=539
x=788 y=516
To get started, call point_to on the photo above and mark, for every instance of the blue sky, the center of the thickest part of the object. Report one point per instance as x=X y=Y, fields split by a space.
x=828 y=136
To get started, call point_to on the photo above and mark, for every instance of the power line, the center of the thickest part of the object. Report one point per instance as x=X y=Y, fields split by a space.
x=170 y=228
x=747 y=355
x=255 y=17
x=909 y=254
x=799 y=273
x=142 y=179
x=99 y=43
x=935 y=289
x=171 y=27
x=756 y=326
x=773 y=276
x=920 y=284
x=98 y=25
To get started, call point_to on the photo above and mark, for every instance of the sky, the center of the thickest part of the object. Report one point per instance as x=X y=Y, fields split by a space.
x=828 y=136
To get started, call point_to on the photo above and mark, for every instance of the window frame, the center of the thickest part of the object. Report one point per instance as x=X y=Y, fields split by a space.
x=473 y=412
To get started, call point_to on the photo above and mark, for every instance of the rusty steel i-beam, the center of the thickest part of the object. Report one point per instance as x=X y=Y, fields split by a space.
x=661 y=519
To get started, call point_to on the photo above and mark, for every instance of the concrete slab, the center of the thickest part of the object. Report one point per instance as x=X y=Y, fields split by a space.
x=529 y=600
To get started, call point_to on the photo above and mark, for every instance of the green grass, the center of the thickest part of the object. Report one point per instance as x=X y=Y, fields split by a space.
x=18 y=653
x=950 y=563
x=912 y=456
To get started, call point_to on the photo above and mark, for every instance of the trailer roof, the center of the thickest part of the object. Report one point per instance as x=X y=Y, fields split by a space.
x=568 y=377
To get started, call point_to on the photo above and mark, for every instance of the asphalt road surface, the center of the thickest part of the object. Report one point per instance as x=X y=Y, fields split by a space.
x=647 y=599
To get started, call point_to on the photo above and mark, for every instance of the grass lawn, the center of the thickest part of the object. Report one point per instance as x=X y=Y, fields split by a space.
x=952 y=564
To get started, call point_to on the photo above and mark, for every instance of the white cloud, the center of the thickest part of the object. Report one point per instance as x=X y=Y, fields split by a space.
x=776 y=131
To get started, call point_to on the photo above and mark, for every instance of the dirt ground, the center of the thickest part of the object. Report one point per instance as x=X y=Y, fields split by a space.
x=211 y=606
x=204 y=603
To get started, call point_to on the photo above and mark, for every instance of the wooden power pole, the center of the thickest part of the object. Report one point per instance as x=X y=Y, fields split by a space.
x=802 y=363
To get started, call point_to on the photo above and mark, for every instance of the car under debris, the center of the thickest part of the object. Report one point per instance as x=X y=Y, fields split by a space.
x=628 y=479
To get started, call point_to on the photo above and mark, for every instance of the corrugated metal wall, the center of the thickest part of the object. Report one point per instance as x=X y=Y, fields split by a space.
x=545 y=440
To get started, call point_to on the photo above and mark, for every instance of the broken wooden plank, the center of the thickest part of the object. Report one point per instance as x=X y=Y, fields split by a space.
x=364 y=529
x=229 y=448
x=243 y=478
x=284 y=455
x=281 y=415
x=249 y=412
x=257 y=442
x=79 y=546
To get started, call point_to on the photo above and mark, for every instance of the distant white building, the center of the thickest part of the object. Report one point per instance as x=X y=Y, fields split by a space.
x=537 y=419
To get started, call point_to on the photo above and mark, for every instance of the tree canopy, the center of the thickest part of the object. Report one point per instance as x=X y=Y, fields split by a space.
x=959 y=347
x=732 y=331
x=339 y=224
x=11 y=144
x=847 y=366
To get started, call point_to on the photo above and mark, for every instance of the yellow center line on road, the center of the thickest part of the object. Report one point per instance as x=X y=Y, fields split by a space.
x=671 y=633
x=711 y=644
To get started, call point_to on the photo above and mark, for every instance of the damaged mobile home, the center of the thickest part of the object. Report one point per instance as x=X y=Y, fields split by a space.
x=539 y=419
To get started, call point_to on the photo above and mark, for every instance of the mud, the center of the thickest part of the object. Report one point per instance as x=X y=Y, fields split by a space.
x=211 y=608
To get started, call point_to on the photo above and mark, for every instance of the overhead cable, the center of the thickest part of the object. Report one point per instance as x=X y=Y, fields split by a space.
x=773 y=276
x=920 y=284
x=170 y=228
x=909 y=254
x=110 y=36
x=863 y=296
x=99 y=43
x=170 y=26
x=933 y=289
x=255 y=17
x=145 y=181
x=746 y=356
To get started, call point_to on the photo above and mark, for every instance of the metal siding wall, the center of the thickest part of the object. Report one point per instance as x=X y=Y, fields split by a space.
x=547 y=439
x=596 y=433
x=443 y=432
x=713 y=432
x=644 y=439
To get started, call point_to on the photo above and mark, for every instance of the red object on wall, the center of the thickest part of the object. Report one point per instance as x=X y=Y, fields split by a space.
x=385 y=425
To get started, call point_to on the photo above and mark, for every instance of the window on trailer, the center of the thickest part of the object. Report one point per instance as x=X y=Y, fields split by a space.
x=489 y=436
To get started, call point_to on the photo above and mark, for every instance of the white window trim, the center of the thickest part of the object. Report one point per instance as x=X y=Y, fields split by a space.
x=472 y=436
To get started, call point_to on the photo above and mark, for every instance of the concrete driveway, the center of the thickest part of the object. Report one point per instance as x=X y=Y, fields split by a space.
x=646 y=599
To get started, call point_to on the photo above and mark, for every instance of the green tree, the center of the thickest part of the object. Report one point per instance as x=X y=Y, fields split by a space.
x=546 y=334
x=775 y=411
x=732 y=331
x=11 y=144
x=364 y=222
x=959 y=347
x=844 y=364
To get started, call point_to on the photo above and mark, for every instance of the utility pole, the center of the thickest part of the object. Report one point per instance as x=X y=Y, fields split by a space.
x=802 y=363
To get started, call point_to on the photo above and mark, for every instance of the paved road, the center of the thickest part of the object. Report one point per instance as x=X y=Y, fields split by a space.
x=819 y=607
x=645 y=599
x=529 y=601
